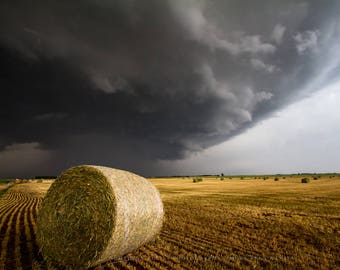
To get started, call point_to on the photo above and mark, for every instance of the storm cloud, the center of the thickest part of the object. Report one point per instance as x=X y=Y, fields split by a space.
x=127 y=83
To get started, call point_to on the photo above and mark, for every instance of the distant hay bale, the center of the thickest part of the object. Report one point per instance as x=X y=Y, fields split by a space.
x=93 y=214
x=305 y=180
x=197 y=179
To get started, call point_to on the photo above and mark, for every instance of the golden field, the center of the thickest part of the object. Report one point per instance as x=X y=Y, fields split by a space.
x=231 y=224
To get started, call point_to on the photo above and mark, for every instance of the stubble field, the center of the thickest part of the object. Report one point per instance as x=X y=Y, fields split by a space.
x=231 y=224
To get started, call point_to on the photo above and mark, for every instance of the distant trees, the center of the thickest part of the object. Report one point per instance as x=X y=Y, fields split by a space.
x=45 y=177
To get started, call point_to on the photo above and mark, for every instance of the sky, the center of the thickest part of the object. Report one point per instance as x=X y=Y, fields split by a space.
x=170 y=87
x=301 y=138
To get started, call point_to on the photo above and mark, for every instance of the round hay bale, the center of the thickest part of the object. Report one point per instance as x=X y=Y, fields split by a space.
x=92 y=214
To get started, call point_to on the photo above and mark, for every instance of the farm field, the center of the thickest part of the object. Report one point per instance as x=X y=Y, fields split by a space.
x=231 y=224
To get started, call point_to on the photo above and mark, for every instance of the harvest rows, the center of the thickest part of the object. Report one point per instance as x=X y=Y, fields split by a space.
x=199 y=232
x=17 y=231
x=19 y=249
x=172 y=250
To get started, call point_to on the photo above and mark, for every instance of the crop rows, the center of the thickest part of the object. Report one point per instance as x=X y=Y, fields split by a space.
x=198 y=233
x=19 y=250
x=17 y=231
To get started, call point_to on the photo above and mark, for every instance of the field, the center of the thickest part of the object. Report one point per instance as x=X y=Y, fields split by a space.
x=231 y=224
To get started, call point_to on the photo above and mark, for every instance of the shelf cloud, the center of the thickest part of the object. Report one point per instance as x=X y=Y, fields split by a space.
x=127 y=83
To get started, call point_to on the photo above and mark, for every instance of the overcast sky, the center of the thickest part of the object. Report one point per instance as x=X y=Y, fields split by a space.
x=170 y=87
x=305 y=137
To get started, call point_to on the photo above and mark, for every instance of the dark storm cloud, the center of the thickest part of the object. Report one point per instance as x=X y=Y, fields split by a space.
x=125 y=83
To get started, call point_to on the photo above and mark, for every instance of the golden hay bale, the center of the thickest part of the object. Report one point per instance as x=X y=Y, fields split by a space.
x=18 y=181
x=92 y=214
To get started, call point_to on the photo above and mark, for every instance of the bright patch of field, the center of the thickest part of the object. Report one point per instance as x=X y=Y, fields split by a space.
x=213 y=224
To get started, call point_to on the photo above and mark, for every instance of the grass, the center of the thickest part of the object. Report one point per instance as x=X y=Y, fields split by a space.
x=3 y=191
x=229 y=224
x=5 y=184
x=5 y=181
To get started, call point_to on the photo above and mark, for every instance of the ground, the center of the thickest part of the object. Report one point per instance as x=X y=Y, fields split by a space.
x=238 y=223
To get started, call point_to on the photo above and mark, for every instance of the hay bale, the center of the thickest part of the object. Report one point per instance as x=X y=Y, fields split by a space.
x=93 y=214
x=305 y=180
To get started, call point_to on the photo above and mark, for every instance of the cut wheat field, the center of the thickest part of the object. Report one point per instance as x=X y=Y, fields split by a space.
x=231 y=224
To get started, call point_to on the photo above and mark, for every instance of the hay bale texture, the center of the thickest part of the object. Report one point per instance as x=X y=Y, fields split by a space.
x=92 y=214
